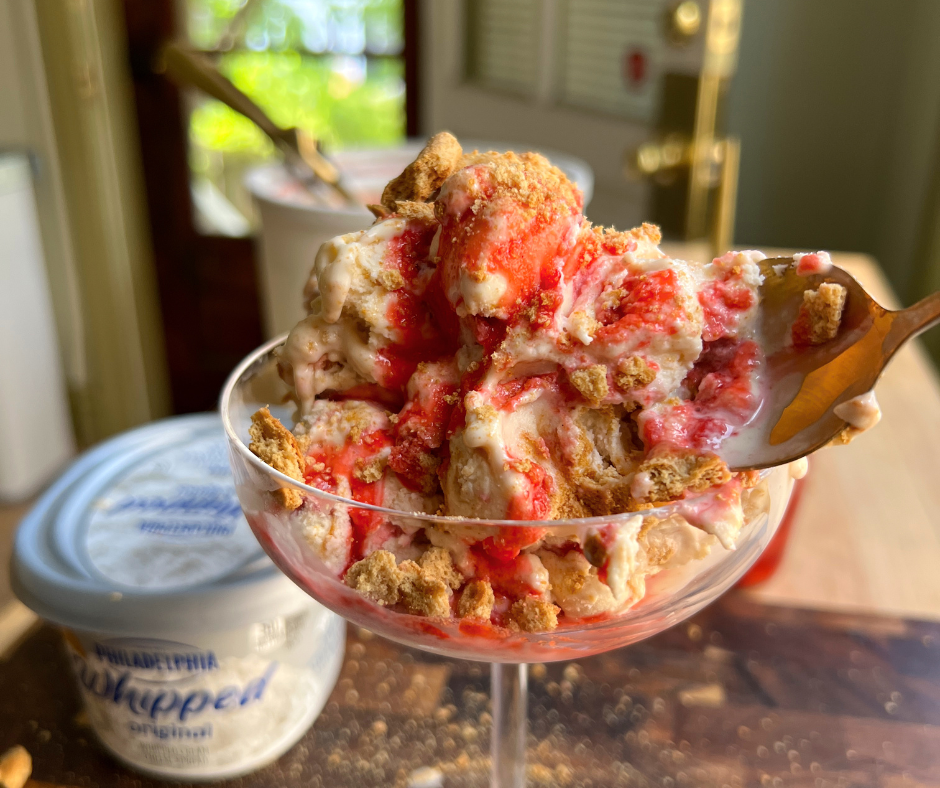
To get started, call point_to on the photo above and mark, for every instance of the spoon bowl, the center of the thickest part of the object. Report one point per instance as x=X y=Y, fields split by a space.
x=804 y=386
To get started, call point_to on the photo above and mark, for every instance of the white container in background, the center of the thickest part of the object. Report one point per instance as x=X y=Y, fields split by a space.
x=293 y=227
x=34 y=414
x=195 y=657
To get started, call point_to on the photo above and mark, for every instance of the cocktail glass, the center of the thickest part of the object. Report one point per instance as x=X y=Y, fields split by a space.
x=672 y=595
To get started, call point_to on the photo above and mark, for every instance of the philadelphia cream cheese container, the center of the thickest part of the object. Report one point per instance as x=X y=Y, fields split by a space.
x=195 y=657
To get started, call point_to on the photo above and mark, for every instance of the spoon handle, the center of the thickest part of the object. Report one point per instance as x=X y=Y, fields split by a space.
x=919 y=317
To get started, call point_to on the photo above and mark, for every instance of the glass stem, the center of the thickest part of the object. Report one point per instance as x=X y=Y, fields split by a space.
x=510 y=703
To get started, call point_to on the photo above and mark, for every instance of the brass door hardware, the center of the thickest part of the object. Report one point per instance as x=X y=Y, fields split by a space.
x=694 y=153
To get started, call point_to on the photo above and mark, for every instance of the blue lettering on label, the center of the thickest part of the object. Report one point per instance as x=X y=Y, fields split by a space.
x=162 y=528
x=188 y=499
x=161 y=704
x=189 y=662
x=171 y=731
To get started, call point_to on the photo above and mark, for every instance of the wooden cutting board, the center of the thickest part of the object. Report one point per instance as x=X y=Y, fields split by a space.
x=742 y=694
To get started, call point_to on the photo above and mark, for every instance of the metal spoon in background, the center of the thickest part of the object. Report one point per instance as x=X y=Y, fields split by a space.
x=805 y=386
x=190 y=68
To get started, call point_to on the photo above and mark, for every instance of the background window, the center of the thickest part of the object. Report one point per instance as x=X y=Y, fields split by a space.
x=331 y=67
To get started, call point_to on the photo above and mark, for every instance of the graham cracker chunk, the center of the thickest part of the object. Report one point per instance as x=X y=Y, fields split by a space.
x=16 y=765
x=371 y=470
x=273 y=443
x=820 y=314
x=424 y=176
x=670 y=475
x=591 y=382
x=422 y=594
x=436 y=564
x=477 y=600
x=376 y=577
x=532 y=614
x=409 y=209
x=633 y=373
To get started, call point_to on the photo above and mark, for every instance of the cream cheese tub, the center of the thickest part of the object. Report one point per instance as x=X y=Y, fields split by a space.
x=195 y=657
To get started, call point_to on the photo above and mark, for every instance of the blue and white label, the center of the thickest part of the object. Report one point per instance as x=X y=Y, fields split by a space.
x=177 y=702
x=171 y=521
x=187 y=709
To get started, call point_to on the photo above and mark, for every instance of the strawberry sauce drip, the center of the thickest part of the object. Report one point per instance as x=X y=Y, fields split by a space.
x=342 y=462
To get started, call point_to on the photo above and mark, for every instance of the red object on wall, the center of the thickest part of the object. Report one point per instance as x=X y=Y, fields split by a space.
x=634 y=68
x=769 y=561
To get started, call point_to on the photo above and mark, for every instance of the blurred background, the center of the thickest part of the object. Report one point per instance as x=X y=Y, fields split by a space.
x=131 y=277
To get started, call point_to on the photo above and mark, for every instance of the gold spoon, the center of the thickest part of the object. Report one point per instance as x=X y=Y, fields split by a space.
x=307 y=164
x=805 y=386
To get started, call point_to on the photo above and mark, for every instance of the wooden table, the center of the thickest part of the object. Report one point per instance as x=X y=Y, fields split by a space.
x=740 y=695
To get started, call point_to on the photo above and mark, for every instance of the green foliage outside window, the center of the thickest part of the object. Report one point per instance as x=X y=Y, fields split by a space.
x=330 y=67
x=316 y=94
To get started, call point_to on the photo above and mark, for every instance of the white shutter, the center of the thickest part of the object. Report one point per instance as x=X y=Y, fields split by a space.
x=612 y=56
x=504 y=45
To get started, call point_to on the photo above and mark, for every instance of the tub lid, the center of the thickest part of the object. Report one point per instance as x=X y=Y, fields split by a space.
x=145 y=533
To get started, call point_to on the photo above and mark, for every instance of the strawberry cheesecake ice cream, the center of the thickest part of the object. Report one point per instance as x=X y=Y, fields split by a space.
x=483 y=351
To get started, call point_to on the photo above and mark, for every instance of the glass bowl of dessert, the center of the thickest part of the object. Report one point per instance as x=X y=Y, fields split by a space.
x=496 y=590
x=497 y=433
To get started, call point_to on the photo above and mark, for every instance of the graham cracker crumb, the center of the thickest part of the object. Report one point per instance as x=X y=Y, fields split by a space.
x=648 y=232
x=451 y=399
x=288 y=497
x=582 y=325
x=16 y=764
x=380 y=212
x=570 y=581
x=423 y=595
x=376 y=577
x=607 y=240
x=477 y=600
x=611 y=298
x=519 y=466
x=274 y=444
x=533 y=614
x=602 y=499
x=390 y=279
x=749 y=479
x=429 y=462
x=409 y=209
x=529 y=179
x=658 y=546
x=633 y=373
x=820 y=314
x=371 y=470
x=424 y=176
x=436 y=564
x=670 y=475
x=591 y=382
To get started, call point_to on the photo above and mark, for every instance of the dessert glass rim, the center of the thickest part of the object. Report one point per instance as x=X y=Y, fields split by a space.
x=236 y=440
